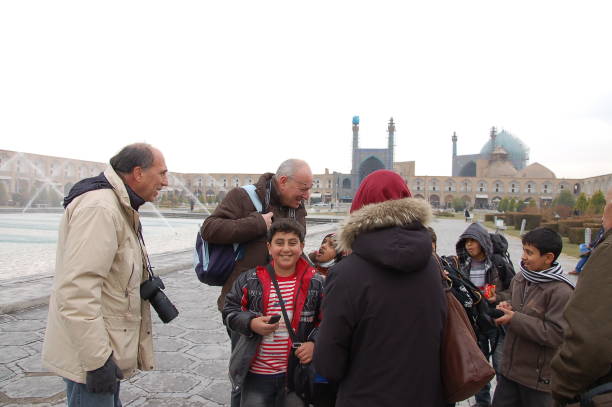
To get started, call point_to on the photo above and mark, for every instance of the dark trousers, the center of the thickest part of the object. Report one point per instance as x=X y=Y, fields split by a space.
x=509 y=393
x=487 y=343
x=235 y=395
x=268 y=391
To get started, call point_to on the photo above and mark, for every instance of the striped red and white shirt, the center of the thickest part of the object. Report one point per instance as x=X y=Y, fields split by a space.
x=274 y=349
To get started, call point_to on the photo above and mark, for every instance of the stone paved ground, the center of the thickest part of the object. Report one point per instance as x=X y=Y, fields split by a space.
x=192 y=351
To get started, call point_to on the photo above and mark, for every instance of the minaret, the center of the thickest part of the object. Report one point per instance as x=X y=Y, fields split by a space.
x=355 y=144
x=391 y=131
x=493 y=137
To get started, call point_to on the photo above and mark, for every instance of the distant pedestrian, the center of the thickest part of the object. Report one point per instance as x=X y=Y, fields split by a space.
x=384 y=307
x=582 y=364
x=99 y=328
x=467 y=215
x=534 y=320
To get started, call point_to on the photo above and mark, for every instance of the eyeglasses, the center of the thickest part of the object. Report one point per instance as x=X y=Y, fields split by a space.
x=305 y=188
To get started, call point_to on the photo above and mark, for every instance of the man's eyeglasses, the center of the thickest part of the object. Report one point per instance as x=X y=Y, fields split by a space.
x=305 y=187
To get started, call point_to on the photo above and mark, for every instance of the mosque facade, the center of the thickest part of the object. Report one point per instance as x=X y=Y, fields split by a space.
x=500 y=170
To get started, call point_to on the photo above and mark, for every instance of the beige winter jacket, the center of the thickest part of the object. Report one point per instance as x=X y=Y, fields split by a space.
x=95 y=306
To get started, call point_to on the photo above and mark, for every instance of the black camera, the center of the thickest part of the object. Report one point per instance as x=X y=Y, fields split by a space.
x=152 y=290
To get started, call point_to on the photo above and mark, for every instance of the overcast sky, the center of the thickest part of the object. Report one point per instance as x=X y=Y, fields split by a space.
x=238 y=86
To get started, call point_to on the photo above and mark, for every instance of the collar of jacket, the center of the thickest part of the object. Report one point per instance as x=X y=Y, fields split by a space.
x=135 y=200
x=119 y=187
x=399 y=212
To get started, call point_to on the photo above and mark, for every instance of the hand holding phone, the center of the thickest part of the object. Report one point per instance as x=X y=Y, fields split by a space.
x=274 y=319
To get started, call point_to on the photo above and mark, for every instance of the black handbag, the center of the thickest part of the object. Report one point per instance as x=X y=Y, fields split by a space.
x=300 y=376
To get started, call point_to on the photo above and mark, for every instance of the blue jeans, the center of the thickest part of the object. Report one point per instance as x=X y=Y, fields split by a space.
x=261 y=390
x=78 y=396
x=486 y=342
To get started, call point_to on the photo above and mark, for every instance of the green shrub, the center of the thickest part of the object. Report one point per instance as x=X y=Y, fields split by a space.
x=551 y=225
x=490 y=217
x=445 y=214
x=564 y=226
x=576 y=235
x=533 y=221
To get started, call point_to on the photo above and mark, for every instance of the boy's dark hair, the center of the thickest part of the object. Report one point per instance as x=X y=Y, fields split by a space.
x=545 y=240
x=133 y=155
x=286 y=226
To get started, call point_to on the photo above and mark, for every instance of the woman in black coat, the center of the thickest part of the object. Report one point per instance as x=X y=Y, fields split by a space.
x=384 y=306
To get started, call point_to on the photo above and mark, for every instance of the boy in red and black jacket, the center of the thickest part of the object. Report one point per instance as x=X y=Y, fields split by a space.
x=258 y=365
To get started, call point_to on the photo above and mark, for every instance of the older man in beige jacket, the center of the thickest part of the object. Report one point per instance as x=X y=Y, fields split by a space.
x=99 y=329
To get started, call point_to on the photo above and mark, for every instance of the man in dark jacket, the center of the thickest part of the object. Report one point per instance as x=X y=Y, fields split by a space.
x=236 y=220
x=584 y=359
x=384 y=306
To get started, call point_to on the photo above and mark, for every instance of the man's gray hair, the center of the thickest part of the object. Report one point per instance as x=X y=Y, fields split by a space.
x=289 y=167
x=133 y=155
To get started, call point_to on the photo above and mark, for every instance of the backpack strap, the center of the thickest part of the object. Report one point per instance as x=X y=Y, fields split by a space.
x=251 y=190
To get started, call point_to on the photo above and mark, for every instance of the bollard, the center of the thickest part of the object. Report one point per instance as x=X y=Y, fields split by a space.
x=523 y=223
x=587 y=236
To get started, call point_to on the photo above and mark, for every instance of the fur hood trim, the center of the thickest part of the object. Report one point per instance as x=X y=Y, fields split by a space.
x=399 y=212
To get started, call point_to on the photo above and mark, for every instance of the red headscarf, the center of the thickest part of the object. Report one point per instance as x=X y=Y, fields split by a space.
x=380 y=186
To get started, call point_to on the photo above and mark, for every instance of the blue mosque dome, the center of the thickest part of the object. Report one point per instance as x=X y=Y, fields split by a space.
x=518 y=152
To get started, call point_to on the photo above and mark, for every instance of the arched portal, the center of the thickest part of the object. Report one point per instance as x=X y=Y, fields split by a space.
x=468 y=170
x=369 y=166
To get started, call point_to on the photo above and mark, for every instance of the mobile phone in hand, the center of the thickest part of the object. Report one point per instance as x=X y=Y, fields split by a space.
x=274 y=319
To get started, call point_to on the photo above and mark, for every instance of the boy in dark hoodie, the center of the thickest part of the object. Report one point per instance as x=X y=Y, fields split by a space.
x=474 y=252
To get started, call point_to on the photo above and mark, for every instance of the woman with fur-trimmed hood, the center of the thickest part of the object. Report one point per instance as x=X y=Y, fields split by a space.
x=384 y=307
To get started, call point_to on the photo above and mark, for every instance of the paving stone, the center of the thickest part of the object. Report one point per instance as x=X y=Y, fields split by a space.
x=171 y=329
x=36 y=346
x=210 y=351
x=18 y=338
x=32 y=364
x=173 y=361
x=23 y=326
x=197 y=336
x=5 y=373
x=6 y=318
x=166 y=382
x=200 y=323
x=11 y=354
x=163 y=344
x=215 y=369
x=218 y=391
x=194 y=401
x=128 y=393
x=32 y=313
x=34 y=386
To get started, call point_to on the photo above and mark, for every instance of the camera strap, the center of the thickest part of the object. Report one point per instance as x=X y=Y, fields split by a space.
x=145 y=255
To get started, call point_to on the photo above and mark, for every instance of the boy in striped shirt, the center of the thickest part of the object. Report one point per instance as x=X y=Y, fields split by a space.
x=258 y=365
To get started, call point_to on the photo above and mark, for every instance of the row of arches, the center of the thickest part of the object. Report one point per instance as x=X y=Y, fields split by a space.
x=514 y=186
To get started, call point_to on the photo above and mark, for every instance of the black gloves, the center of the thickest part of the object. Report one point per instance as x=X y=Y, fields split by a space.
x=104 y=379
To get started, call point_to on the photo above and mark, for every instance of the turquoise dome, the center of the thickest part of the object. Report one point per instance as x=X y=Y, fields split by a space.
x=517 y=151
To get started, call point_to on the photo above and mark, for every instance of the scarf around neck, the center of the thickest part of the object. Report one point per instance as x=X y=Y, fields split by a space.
x=555 y=273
